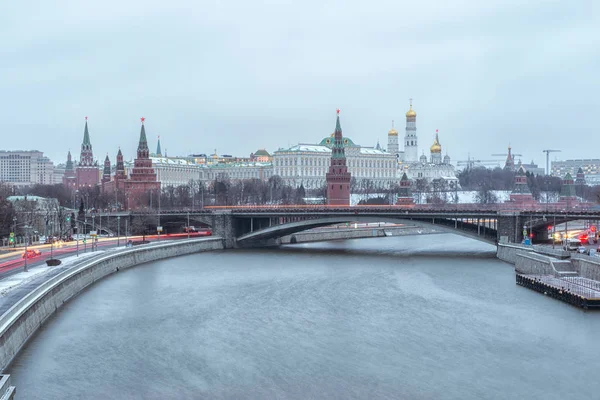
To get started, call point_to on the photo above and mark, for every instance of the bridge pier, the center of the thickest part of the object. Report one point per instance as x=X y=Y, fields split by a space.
x=510 y=227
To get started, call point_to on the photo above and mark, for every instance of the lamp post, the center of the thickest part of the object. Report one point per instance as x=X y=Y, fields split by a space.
x=93 y=229
x=188 y=224
x=14 y=231
x=118 y=229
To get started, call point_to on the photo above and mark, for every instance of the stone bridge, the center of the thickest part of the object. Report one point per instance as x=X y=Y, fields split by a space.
x=248 y=226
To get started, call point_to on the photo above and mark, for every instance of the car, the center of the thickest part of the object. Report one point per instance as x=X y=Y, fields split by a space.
x=30 y=253
x=581 y=250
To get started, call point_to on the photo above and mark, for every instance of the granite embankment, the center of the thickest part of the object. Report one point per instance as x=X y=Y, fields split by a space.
x=23 y=319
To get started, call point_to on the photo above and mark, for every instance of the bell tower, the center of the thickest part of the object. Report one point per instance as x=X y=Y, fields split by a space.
x=411 y=147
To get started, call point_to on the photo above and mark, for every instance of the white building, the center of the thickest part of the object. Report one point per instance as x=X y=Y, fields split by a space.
x=307 y=164
x=434 y=167
x=26 y=168
x=175 y=171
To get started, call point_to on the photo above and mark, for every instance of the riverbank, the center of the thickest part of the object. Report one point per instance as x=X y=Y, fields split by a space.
x=569 y=277
x=23 y=319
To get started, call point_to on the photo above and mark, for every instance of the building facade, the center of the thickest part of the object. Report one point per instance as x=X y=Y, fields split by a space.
x=590 y=167
x=22 y=168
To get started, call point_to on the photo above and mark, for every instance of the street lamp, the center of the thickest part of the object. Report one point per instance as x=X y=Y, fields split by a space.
x=118 y=229
x=188 y=224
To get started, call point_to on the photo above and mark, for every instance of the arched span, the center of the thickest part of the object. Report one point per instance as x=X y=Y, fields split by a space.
x=446 y=225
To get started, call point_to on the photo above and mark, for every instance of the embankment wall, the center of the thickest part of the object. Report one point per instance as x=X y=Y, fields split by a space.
x=22 y=320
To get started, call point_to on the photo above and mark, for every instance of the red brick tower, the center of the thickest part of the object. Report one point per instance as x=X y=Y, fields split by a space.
x=338 y=177
x=106 y=172
x=405 y=197
x=87 y=172
x=142 y=184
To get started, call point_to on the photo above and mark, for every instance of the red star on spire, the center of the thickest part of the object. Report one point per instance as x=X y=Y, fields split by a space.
x=337 y=111
x=143 y=119
x=86 y=118
x=436 y=131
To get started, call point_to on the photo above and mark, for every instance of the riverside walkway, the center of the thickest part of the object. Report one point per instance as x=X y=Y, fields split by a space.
x=576 y=290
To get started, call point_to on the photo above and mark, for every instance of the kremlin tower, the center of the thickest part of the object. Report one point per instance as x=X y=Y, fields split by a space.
x=405 y=197
x=142 y=183
x=338 y=177
x=411 y=152
x=106 y=172
x=69 y=179
x=87 y=173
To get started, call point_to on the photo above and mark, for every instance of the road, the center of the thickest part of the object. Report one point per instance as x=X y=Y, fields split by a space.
x=13 y=262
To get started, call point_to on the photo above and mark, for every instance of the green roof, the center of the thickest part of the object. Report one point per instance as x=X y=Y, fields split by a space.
x=262 y=153
x=86 y=135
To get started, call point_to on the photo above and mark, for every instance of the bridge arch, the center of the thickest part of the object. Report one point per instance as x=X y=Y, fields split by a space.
x=270 y=235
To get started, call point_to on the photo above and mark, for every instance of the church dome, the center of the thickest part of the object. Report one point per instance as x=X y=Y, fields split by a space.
x=423 y=158
x=436 y=147
x=411 y=112
x=446 y=159
x=392 y=132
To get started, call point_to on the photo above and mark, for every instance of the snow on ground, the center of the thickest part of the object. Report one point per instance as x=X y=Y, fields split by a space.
x=14 y=281
x=464 y=196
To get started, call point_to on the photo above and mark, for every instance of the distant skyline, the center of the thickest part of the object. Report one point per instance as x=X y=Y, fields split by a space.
x=238 y=76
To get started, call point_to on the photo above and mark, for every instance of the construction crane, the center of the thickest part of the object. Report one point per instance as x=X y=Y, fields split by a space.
x=507 y=155
x=548 y=159
x=470 y=163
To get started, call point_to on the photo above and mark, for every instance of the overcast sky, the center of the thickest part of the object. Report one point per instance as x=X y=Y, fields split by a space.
x=237 y=76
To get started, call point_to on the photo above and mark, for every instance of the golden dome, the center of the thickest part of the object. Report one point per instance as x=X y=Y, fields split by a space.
x=411 y=112
x=436 y=147
x=392 y=132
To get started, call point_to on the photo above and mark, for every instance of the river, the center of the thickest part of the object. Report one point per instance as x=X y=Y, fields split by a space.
x=417 y=317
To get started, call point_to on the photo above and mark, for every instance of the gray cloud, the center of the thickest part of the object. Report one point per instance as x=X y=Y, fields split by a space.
x=237 y=76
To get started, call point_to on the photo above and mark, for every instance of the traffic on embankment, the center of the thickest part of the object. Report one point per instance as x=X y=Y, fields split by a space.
x=23 y=319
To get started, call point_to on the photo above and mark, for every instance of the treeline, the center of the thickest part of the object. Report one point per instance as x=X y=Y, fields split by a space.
x=542 y=187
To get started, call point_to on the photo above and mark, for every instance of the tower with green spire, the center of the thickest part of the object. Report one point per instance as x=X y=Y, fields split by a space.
x=86 y=158
x=69 y=178
x=142 y=185
x=158 y=150
x=338 y=177
x=521 y=194
x=106 y=172
x=405 y=197
x=87 y=173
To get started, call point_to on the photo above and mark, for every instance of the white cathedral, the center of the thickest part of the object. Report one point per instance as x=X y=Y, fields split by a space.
x=420 y=167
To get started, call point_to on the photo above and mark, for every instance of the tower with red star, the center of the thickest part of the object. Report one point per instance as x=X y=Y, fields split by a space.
x=338 y=177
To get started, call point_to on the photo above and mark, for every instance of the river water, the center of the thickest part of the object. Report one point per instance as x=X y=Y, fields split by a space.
x=420 y=317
